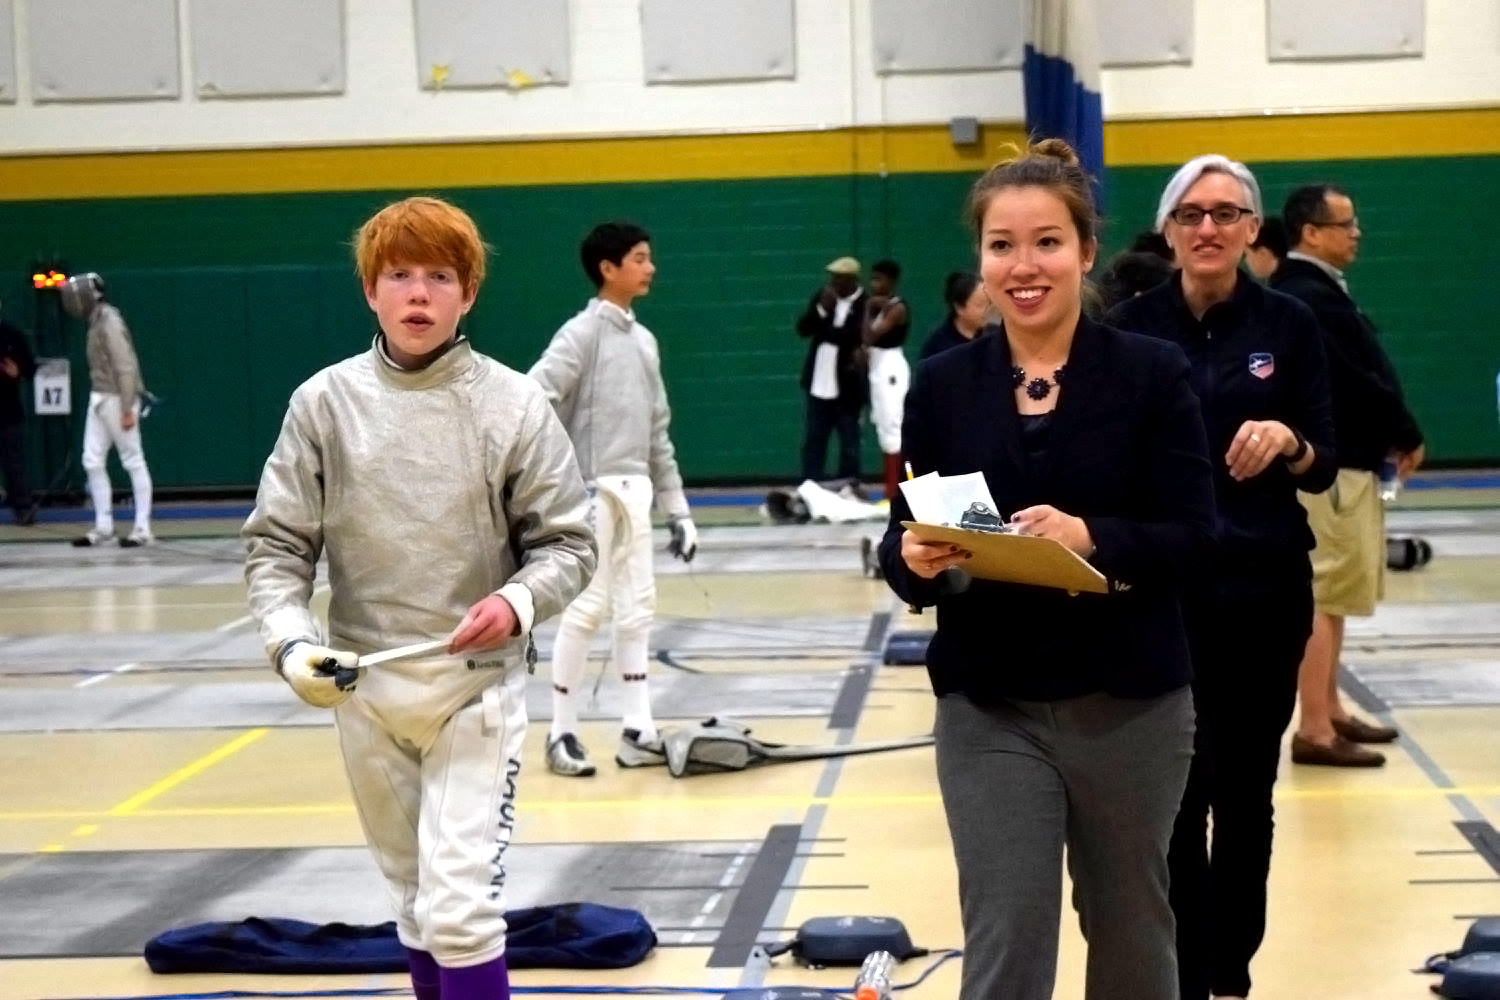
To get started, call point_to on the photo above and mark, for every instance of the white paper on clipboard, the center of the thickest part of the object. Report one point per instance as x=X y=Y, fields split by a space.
x=936 y=499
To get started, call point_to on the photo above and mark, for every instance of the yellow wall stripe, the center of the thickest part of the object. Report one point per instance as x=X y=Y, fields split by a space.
x=835 y=152
x=1355 y=136
x=839 y=152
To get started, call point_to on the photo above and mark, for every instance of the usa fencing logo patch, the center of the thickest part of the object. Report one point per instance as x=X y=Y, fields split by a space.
x=1262 y=365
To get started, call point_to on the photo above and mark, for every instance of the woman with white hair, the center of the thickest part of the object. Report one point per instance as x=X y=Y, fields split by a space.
x=1259 y=373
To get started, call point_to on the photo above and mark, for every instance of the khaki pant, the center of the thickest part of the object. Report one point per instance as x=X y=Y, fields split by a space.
x=1348 y=521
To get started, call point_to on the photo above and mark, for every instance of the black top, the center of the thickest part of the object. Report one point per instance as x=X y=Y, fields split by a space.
x=1126 y=452
x=13 y=347
x=1036 y=431
x=1370 y=417
x=1255 y=356
x=944 y=336
x=848 y=337
x=896 y=335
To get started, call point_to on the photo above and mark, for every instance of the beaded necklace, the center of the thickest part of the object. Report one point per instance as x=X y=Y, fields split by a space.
x=1036 y=388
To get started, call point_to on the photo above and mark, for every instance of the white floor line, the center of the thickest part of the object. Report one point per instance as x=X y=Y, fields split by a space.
x=244 y=620
x=123 y=668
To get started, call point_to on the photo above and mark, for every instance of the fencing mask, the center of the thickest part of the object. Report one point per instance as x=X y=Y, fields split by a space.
x=81 y=293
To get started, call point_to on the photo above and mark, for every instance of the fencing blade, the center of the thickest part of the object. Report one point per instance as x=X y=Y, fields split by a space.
x=403 y=652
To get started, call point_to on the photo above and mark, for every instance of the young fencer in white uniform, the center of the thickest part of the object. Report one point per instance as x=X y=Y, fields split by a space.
x=444 y=493
x=602 y=371
x=114 y=415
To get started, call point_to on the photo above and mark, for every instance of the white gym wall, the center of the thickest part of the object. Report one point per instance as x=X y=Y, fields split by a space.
x=363 y=73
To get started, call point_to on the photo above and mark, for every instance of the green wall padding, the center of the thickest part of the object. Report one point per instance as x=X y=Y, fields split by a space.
x=235 y=300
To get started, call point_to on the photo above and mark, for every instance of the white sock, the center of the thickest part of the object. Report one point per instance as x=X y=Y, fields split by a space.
x=102 y=495
x=635 y=692
x=570 y=657
x=140 y=488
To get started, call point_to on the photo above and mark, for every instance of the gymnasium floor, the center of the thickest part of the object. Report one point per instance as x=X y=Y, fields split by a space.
x=154 y=773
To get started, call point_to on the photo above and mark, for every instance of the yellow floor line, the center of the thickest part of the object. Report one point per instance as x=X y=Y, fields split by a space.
x=171 y=781
x=133 y=806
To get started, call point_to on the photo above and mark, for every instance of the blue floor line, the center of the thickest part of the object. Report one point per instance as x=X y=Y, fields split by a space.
x=166 y=512
x=1455 y=481
x=191 y=512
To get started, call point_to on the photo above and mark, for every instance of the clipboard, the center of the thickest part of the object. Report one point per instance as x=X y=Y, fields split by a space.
x=1040 y=562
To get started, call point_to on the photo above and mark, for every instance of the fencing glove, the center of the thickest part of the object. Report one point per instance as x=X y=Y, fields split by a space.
x=684 y=543
x=321 y=676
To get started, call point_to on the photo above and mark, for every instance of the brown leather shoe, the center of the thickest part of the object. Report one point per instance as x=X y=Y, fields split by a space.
x=1357 y=730
x=1339 y=753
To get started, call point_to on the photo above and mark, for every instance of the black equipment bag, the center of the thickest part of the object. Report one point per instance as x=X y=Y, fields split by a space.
x=1473 y=971
x=848 y=940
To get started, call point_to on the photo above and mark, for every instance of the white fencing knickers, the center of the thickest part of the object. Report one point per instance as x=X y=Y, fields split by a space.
x=624 y=586
x=101 y=430
x=435 y=789
x=890 y=376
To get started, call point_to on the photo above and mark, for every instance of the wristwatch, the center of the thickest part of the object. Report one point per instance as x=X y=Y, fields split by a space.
x=1301 y=451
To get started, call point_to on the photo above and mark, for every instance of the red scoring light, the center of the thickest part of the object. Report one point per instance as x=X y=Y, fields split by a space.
x=48 y=279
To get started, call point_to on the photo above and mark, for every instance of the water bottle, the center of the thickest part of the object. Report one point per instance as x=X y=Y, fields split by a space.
x=1390 y=482
x=874 y=979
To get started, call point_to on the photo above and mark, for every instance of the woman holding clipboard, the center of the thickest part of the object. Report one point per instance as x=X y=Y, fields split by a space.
x=1061 y=720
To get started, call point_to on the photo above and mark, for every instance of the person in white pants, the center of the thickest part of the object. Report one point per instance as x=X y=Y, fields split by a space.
x=602 y=371
x=445 y=495
x=887 y=322
x=114 y=413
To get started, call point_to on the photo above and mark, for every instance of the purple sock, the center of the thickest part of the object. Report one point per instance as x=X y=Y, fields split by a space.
x=426 y=981
x=489 y=981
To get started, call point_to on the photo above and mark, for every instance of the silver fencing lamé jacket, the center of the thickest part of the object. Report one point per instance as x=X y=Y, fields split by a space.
x=426 y=490
x=113 y=366
x=602 y=371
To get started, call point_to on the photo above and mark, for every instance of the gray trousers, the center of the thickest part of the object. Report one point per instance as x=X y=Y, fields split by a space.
x=1101 y=775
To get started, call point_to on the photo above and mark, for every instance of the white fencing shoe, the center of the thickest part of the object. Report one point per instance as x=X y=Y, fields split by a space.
x=567 y=757
x=94 y=538
x=137 y=538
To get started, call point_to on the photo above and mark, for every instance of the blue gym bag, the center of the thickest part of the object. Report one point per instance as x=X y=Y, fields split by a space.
x=563 y=936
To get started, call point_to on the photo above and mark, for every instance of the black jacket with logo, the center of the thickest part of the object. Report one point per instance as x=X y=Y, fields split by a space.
x=1256 y=356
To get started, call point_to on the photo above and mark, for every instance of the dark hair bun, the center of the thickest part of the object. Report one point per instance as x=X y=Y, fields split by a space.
x=1057 y=149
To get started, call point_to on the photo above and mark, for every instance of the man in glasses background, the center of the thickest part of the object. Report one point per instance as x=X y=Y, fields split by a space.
x=1371 y=422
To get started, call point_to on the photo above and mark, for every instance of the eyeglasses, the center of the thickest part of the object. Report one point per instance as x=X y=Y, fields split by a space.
x=1348 y=225
x=1223 y=215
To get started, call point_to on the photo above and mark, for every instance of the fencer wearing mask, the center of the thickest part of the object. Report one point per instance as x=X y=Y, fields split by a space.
x=114 y=412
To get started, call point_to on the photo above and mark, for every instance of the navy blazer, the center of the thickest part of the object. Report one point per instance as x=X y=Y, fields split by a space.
x=1127 y=453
